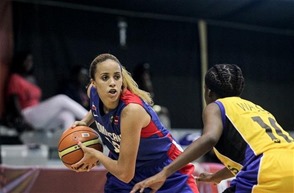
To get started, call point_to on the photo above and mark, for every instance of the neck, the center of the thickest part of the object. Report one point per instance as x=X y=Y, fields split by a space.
x=109 y=108
x=106 y=110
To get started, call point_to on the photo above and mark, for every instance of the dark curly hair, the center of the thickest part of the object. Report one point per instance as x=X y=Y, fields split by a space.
x=225 y=80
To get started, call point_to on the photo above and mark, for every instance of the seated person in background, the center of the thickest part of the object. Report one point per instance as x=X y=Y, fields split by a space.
x=26 y=111
x=75 y=87
x=141 y=75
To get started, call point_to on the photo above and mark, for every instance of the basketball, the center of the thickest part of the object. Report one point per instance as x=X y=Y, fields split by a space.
x=68 y=150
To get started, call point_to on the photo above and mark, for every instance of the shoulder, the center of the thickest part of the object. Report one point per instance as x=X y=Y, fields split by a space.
x=212 y=110
x=133 y=109
x=17 y=80
x=16 y=77
x=128 y=97
x=212 y=107
x=135 y=114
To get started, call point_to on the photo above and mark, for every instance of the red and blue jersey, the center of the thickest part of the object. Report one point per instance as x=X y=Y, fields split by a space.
x=155 y=139
x=157 y=147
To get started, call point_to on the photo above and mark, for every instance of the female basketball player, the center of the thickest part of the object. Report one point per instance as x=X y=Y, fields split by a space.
x=139 y=144
x=246 y=138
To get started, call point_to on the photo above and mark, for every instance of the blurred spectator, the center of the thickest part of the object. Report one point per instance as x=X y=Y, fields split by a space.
x=26 y=111
x=142 y=76
x=75 y=86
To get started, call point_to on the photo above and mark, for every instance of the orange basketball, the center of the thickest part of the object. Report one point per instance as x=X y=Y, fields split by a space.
x=68 y=150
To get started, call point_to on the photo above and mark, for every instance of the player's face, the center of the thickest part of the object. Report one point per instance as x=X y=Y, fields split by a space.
x=108 y=82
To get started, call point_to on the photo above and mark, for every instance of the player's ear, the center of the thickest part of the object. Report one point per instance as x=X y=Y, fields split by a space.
x=92 y=83
x=209 y=93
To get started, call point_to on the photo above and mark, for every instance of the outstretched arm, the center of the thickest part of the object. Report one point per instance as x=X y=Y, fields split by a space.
x=211 y=134
x=217 y=177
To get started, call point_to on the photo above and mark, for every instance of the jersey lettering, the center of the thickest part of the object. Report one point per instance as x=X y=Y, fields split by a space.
x=249 y=107
x=112 y=138
x=273 y=131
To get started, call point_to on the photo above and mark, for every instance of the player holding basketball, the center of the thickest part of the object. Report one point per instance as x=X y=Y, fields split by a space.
x=140 y=146
x=246 y=138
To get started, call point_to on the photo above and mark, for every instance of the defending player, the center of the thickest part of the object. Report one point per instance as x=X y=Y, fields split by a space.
x=139 y=144
x=246 y=138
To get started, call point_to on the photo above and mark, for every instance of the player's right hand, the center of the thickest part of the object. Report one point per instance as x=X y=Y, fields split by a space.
x=205 y=177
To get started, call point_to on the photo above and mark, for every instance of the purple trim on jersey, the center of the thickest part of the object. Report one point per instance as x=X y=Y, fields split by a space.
x=223 y=112
x=246 y=180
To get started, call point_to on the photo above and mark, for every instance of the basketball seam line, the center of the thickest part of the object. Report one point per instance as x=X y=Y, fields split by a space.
x=76 y=147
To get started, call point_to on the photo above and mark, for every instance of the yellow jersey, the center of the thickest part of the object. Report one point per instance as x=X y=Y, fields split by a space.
x=250 y=134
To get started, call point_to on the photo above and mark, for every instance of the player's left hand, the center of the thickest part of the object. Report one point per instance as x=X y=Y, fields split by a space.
x=78 y=123
x=88 y=161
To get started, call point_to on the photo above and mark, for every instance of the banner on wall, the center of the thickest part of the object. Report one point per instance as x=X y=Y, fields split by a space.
x=23 y=179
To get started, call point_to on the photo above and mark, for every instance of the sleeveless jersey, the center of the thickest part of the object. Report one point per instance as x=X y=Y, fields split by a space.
x=250 y=134
x=157 y=147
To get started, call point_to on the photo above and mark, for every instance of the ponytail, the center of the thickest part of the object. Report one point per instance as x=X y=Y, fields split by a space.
x=130 y=84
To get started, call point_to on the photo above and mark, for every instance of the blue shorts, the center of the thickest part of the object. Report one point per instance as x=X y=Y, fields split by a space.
x=181 y=181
